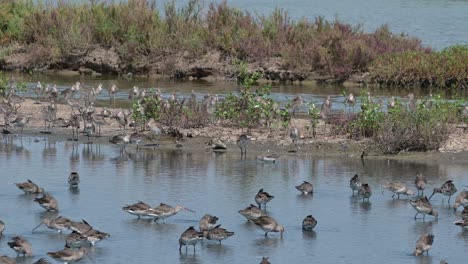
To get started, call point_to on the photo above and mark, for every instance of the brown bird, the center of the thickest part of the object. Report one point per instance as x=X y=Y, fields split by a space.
x=305 y=187
x=68 y=255
x=242 y=142
x=21 y=246
x=80 y=227
x=309 y=223
x=251 y=212
x=48 y=202
x=7 y=260
x=365 y=192
x=398 y=188
x=461 y=200
x=95 y=236
x=29 y=187
x=190 y=237
x=420 y=183
x=424 y=243
x=164 y=211
x=60 y=223
x=423 y=206
x=207 y=222
x=446 y=189
x=217 y=233
x=76 y=240
x=355 y=183
x=265 y=260
x=139 y=209
x=263 y=198
x=268 y=224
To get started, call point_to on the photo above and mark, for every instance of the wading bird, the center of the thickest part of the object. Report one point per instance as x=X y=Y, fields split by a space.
x=190 y=237
x=21 y=246
x=423 y=244
x=355 y=183
x=398 y=188
x=423 y=206
x=164 y=211
x=262 y=198
x=309 y=223
x=242 y=142
x=446 y=189
x=268 y=224
x=305 y=187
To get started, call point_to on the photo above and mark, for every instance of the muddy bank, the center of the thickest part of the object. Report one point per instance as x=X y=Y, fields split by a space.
x=263 y=141
x=181 y=65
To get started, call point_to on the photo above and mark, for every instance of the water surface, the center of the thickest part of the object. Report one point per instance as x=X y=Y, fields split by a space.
x=348 y=230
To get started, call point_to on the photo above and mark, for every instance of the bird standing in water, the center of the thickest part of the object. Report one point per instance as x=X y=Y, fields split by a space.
x=355 y=183
x=446 y=189
x=21 y=246
x=420 y=183
x=269 y=224
x=365 y=192
x=423 y=206
x=73 y=179
x=305 y=187
x=262 y=198
x=190 y=237
x=423 y=244
x=242 y=142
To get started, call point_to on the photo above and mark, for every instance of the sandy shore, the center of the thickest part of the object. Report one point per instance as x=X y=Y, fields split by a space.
x=263 y=140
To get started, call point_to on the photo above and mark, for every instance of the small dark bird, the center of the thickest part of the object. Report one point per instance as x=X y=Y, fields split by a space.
x=73 y=179
x=242 y=142
x=309 y=223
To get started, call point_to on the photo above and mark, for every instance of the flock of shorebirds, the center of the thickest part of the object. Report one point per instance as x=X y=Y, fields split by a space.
x=77 y=243
x=84 y=236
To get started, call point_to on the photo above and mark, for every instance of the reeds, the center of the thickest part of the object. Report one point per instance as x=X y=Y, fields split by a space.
x=137 y=29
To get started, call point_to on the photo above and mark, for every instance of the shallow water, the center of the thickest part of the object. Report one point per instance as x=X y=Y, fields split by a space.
x=348 y=230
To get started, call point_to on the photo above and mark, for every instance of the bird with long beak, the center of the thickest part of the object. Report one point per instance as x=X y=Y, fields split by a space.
x=423 y=206
x=164 y=211
x=60 y=223
x=446 y=189
x=398 y=188
x=269 y=224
